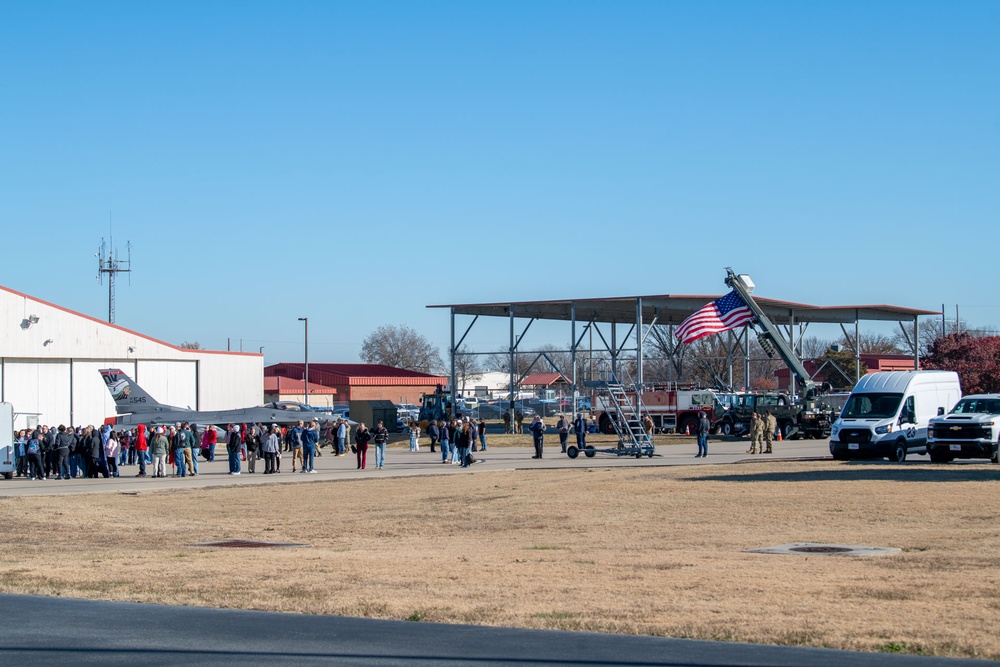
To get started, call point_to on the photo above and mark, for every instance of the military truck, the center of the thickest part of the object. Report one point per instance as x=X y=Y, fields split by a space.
x=810 y=419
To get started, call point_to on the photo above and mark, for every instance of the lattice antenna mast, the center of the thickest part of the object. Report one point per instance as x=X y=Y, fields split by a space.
x=110 y=264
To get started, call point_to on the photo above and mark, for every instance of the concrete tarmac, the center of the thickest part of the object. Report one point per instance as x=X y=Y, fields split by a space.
x=670 y=451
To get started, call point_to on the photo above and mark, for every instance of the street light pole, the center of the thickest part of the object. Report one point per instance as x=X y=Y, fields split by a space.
x=306 y=389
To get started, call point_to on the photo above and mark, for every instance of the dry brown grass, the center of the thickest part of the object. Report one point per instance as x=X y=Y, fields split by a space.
x=642 y=551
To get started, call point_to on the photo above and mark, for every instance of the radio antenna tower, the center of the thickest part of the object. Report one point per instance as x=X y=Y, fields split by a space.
x=110 y=264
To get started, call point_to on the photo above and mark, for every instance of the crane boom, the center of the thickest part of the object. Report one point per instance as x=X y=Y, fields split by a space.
x=770 y=336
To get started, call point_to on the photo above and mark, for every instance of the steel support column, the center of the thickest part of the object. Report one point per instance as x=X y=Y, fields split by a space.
x=791 y=344
x=572 y=353
x=511 y=405
x=638 y=345
x=746 y=358
x=454 y=389
x=857 y=347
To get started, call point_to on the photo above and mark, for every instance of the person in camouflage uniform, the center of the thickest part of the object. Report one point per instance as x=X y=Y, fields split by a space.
x=770 y=424
x=756 y=434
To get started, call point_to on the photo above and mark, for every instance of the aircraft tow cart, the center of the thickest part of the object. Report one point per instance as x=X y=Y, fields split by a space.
x=621 y=450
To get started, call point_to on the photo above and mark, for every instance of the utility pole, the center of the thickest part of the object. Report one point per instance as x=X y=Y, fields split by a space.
x=109 y=263
x=306 y=391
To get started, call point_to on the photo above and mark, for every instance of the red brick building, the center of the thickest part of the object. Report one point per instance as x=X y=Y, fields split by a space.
x=363 y=382
x=826 y=373
x=278 y=388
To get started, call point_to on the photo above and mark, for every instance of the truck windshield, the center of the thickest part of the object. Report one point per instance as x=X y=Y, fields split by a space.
x=871 y=406
x=972 y=406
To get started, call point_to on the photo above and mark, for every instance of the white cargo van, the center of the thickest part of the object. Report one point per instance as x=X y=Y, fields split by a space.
x=7 y=457
x=886 y=414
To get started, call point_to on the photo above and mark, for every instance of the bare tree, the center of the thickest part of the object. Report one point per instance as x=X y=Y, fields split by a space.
x=814 y=347
x=401 y=347
x=874 y=344
x=468 y=368
x=544 y=359
x=190 y=346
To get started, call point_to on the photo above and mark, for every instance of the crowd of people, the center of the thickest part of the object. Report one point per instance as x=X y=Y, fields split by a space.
x=458 y=438
x=66 y=452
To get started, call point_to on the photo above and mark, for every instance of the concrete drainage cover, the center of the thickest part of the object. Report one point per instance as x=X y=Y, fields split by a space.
x=246 y=544
x=813 y=549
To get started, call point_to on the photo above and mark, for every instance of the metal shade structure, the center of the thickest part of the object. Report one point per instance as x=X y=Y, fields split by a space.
x=675 y=308
x=640 y=313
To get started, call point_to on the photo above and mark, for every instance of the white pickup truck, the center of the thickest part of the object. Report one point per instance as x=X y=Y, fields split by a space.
x=970 y=431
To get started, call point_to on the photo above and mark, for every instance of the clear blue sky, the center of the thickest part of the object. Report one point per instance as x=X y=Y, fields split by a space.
x=355 y=162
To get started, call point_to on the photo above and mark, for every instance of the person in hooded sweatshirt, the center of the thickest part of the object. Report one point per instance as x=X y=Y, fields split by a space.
x=233 y=444
x=159 y=447
x=65 y=441
x=140 y=449
x=112 y=450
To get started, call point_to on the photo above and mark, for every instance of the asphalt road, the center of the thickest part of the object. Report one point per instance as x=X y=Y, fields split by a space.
x=54 y=631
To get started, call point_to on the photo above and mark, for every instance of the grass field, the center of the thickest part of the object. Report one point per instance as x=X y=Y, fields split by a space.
x=658 y=551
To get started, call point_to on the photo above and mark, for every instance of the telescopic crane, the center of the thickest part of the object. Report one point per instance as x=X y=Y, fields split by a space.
x=770 y=338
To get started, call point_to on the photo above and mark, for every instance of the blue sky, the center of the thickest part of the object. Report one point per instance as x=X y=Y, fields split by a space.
x=355 y=162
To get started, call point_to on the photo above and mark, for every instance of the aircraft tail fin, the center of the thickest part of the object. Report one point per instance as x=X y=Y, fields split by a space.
x=129 y=396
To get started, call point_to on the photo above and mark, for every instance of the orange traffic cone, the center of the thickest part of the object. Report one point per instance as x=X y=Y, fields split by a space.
x=687 y=431
x=779 y=435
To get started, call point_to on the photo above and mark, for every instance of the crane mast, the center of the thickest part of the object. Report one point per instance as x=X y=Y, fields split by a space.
x=770 y=338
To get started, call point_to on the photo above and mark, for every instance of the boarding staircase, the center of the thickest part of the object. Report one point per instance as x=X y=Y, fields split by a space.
x=626 y=410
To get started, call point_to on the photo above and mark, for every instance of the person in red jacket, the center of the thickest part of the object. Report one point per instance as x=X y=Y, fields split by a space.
x=140 y=447
x=208 y=440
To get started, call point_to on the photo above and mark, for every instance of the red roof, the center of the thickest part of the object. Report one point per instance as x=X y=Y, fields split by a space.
x=873 y=362
x=282 y=385
x=544 y=379
x=355 y=374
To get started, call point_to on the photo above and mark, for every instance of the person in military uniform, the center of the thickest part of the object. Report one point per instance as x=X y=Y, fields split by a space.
x=756 y=433
x=770 y=424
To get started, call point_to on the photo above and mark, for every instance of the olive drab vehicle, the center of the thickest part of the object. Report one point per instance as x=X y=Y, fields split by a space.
x=810 y=419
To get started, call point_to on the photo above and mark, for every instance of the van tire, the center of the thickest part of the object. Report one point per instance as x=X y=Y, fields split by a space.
x=899 y=451
x=8 y=475
x=996 y=454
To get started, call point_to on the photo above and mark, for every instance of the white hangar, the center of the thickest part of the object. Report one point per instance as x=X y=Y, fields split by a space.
x=50 y=357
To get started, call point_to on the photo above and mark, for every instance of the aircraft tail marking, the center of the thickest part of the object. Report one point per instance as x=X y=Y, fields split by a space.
x=129 y=396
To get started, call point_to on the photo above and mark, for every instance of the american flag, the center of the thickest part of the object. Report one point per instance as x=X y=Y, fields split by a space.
x=723 y=314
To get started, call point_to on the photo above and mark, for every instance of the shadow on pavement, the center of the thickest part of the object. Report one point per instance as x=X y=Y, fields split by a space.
x=864 y=471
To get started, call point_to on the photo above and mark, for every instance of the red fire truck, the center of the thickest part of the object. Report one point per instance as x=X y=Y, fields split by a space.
x=672 y=410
